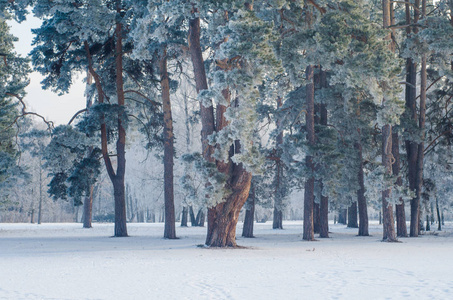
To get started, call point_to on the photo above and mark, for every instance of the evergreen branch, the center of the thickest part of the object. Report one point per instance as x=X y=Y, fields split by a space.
x=76 y=114
x=24 y=113
x=433 y=83
x=322 y=10
x=439 y=136
x=140 y=94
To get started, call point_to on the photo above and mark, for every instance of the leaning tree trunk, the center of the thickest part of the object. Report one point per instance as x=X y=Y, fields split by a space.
x=361 y=200
x=401 y=229
x=439 y=221
x=247 y=230
x=169 y=231
x=308 y=233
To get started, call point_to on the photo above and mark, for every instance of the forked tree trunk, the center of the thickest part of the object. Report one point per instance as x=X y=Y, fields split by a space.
x=223 y=218
x=361 y=200
x=169 y=229
x=193 y=220
x=387 y=209
x=401 y=229
x=308 y=233
x=199 y=220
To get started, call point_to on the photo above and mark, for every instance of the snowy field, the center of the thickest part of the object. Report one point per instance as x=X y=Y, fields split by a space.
x=64 y=261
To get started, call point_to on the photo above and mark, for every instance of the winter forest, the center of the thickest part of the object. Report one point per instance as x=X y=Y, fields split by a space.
x=317 y=126
x=223 y=111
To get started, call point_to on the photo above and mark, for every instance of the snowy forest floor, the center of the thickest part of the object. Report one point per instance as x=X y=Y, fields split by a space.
x=64 y=261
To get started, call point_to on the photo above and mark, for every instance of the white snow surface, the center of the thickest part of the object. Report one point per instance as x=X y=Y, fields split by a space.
x=65 y=261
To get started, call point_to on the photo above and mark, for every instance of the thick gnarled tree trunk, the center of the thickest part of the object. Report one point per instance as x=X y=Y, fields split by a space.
x=222 y=218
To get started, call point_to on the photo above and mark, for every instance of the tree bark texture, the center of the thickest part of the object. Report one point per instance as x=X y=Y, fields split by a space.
x=223 y=218
x=401 y=229
x=343 y=216
x=169 y=229
x=361 y=200
x=387 y=209
x=308 y=233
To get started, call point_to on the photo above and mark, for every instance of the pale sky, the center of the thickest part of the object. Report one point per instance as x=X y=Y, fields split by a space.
x=58 y=109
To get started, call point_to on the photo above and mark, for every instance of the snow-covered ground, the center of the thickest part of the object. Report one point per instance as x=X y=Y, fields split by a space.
x=64 y=261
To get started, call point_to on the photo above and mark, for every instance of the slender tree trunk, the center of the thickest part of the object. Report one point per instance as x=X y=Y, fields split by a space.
x=421 y=145
x=40 y=194
x=412 y=147
x=199 y=220
x=278 y=201
x=247 y=230
x=401 y=229
x=352 y=216
x=439 y=221
x=184 y=216
x=387 y=209
x=87 y=209
x=308 y=233
x=169 y=231
x=361 y=200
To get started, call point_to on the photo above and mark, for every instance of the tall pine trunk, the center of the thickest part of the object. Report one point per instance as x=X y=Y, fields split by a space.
x=169 y=229
x=87 y=209
x=308 y=233
x=401 y=229
x=361 y=200
x=278 y=201
x=387 y=209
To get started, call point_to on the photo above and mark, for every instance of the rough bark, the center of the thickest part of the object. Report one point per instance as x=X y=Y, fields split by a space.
x=389 y=234
x=401 y=229
x=361 y=200
x=308 y=233
x=352 y=216
x=223 y=218
x=324 y=217
x=169 y=228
